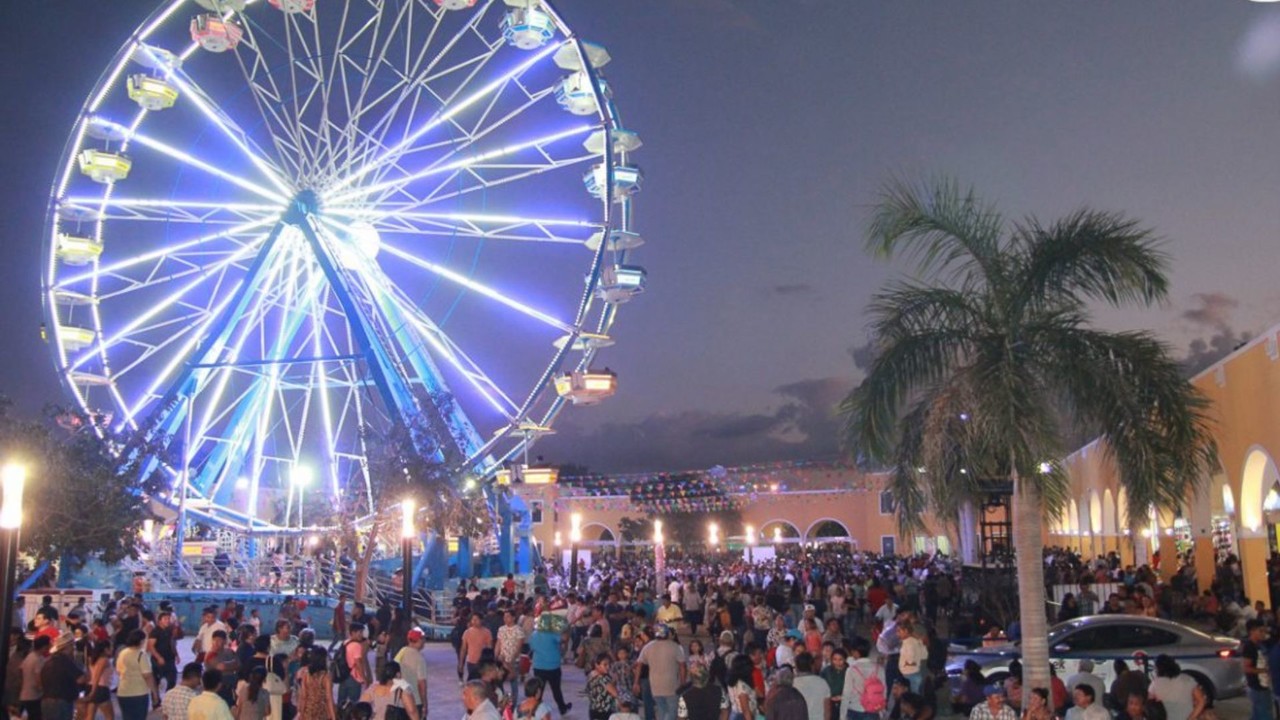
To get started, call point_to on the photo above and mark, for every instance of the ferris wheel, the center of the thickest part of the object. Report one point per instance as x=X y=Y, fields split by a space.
x=279 y=222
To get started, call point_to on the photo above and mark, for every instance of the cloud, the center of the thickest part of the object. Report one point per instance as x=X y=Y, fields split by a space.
x=803 y=426
x=1212 y=314
x=1214 y=310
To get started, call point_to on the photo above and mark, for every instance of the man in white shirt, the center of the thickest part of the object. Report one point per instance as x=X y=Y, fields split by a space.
x=1086 y=705
x=1085 y=676
x=204 y=636
x=208 y=705
x=475 y=698
x=816 y=692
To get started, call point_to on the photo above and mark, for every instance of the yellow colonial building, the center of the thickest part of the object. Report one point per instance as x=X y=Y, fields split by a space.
x=1236 y=510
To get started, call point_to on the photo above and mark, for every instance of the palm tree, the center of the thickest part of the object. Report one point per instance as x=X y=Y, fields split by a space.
x=987 y=362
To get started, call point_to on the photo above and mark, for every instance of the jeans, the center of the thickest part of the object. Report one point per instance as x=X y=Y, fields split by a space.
x=348 y=693
x=552 y=678
x=665 y=706
x=915 y=680
x=1261 y=704
x=134 y=707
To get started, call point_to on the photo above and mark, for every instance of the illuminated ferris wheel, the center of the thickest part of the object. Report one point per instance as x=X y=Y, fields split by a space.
x=278 y=222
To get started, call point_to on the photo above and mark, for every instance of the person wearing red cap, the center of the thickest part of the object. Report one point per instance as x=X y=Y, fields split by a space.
x=413 y=668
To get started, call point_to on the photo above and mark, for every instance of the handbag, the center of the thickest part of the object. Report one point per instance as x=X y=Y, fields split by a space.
x=395 y=710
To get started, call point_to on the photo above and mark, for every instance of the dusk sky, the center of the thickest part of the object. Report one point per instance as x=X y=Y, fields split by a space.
x=768 y=127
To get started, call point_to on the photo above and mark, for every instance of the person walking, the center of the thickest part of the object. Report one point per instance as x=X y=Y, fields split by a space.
x=178 y=698
x=547 y=643
x=413 y=668
x=475 y=640
x=137 y=690
x=1257 y=678
x=209 y=705
x=315 y=689
x=32 y=664
x=60 y=680
x=665 y=659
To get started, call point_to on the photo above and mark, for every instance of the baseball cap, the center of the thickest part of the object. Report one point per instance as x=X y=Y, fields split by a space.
x=993 y=689
x=416 y=634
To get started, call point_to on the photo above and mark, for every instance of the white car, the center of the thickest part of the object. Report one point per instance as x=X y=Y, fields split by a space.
x=1104 y=638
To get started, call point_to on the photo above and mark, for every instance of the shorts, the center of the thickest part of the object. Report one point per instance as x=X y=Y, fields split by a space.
x=100 y=695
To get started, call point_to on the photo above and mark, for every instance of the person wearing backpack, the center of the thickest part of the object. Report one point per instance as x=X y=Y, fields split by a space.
x=865 y=692
x=350 y=667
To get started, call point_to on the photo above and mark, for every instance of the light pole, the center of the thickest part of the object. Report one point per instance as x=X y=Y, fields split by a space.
x=713 y=536
x=750 y=532
x=406 y=547
x=575 y=537
x=659 y=555
x=12 y=480
x=299 y=478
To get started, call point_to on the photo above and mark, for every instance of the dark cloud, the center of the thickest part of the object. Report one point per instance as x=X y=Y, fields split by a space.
x=803 y=426
x=1213 y=310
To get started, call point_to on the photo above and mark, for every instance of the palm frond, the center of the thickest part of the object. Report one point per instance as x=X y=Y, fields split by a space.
x=906 y=309
x=943 y=227
x=1099 y=255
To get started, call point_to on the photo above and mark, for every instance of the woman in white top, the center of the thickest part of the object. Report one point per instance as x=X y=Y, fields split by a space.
x=391 y=691
x=137 y=683
x=912 y=657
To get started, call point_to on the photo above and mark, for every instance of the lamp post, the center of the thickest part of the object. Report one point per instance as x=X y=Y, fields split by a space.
x=299 y=478
x=12 y=479
x=659 y=555
x=713 y=536
x=750 y=533
x=406 y=547
x=575 y=537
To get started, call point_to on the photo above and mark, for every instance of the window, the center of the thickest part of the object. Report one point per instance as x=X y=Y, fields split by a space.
x=888 y=545
x=887 y=504
x=535 y=512
x=1142 y=637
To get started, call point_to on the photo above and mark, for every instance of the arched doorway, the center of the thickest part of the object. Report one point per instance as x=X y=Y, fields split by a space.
x=1257 y=531
x=827 y=530
x=779 y=531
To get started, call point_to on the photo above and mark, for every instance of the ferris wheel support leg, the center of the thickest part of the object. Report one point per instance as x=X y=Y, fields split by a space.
x=504 y=533
x=466 y=568
x=437 y=561
x=523 y=560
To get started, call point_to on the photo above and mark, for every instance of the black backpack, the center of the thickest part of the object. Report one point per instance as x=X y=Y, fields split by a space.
x=338 y=667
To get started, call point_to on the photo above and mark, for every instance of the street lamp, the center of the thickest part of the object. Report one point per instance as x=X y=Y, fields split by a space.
x=406 y=546
x=713 y=535
x=659 y=555
x=777 y=535
x=12 y=479
x=751 y=544
x=300 y=478
x=575 y=537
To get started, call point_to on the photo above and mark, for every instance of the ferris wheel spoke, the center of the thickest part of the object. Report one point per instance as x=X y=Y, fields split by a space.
x=478 y=287
x=191 y=160
x=415 y=79
x=176 y=210
x=444 y=115
x=445 y=347
x=168 y=250
x=478 y=161
x=105 y=343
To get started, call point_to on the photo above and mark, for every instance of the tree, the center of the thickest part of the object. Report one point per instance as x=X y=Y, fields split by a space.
x=84 y=496
x=398 y=470
x=987 y=359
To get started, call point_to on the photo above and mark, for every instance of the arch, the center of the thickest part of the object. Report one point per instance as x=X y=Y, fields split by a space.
x=1095 y=512
x=1073 y=518
x=822 y=524
x=788 y=530
x=603 y=534
x=1109 y=526
x=1259 y=474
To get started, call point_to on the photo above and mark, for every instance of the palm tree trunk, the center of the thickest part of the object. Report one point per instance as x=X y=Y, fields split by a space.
x=1027 y=517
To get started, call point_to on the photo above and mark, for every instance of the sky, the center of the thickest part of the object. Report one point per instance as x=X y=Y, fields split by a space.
x=768 y=128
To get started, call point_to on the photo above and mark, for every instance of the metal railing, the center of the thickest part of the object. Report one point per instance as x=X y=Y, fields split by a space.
x=321 y=577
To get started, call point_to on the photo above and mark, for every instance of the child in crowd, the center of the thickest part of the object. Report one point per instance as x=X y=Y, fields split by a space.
x=626 y=711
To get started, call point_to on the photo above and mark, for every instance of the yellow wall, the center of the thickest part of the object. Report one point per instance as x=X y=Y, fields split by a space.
x=1244 y=391
x=842 y=495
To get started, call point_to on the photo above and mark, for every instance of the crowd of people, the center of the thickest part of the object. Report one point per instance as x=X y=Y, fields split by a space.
x=71 y=667
x=820 y=634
